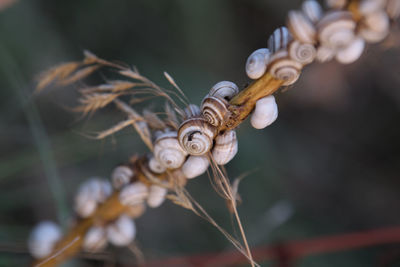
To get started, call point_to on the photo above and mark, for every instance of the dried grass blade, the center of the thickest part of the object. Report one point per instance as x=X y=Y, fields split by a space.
x=116 y=128
x=80 y=74
x=153 y=120
x=56 y=73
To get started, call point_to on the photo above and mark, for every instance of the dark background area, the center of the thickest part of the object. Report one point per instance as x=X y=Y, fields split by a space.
x=329 y=164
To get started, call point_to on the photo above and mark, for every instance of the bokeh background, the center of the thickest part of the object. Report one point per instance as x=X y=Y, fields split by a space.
x=330 y=163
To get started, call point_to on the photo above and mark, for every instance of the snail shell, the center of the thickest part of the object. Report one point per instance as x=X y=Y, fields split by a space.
x=366 y=7
x=336 y=4
x=214 y=110
x=122 y=231
x=168 y=152
x=95 y=239
x=191 y=111
x=302 y=52
x=325 y=53
x=135 y=210
x=85 y=207
x=336 y=29
x=313 y=10
x=121 y=176
x=156 y=196
x=284 y=68
x=352 y=52
x=196 y=136
x=301 y=27
x=224 y=90
x=156 y=166
x=225 y=148
x=393 y=8
x=133 y=194
x=265 y=112
x=375 y=27
x=257 y=62
x=195 y=166
x=43 y=238
x=279 y=40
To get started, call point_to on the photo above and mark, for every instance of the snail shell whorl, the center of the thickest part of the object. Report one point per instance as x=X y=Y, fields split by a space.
x=301 y=27
x=196 y=136
x=393 y=8
x=168 y=152
x=284 y=68
x=337 y=4
x=121 y=176
x=214 y=110
x=195 y=166
x=325 y=53
x=279 y=40
x=301 y=52
x=375 y=27
x=191 y=111
x=257 y=62
x=224 y=90
x=352 y=52
x=225 y=148
x=156 y=166
x=122 y=231
x=156 y=196
x=265 y=112
x=133 y=194
x=43 y=238
x=95 y=239
x=313 y=10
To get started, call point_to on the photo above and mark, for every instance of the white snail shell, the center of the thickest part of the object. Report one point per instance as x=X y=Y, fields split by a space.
x=225 y=148
x=196 y=136
x=313 y=10
x=302 y=52
x=265 y=112
x=224 y=90
x=366 y=7
x=336 y=29
x=168 y=152
x=375 y=27
x=121 y=176
x=156 y=166
x=284 y=68
x=214 y=110
x=95 y=239
x=133 y=194
x=156 y=196
x=337 y=4
x=352 y=52
x=43 y=238
x=85 y=207
x=191 y=111
x=195 y=166
x=301 y=27
x=393 y=8
x=122 y=231
x=325 y=53
x=256 y=64
x=279 y=39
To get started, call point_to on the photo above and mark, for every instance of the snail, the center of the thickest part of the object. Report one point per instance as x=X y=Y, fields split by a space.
x=336 y=4
x=352 y=52
x=121 y=176
x=325 y=53
x=168 y=152
x=393 y=9
x=225 y=148
x=265 y=112
x=133 y=194
x=224 y=90
x=279 y=39
x=122 y=231
x=313 y=10
x=301 y=27
x=284 y=68
x=191 y=111
x=375 y=27
x=43 y=238
x=214 y=110
x=256 y=64
x=195 y=166
x=302 y=52
x=95 y=239
x=156 y=166
x=156 y=196
x=196 y=136
x=366 y=7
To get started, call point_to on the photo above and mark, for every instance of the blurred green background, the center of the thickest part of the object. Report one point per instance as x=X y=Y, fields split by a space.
x=329 y=165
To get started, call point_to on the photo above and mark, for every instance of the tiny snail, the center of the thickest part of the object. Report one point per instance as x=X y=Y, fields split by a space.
x=337 y=4
x=366 y=7
x=352 y=52
x=196 y=136
x=302 y=52
x=265 y=112
x=301 y=27
x=393 y=8
x=135 y=211
x=279 y=39
x=336 y=29
x=325 y=53
x=95 y=239
x=375 y=27
x=256 y=64
x=284 y=68
x=191 y=111
x=156 y=196
x=312 y=9
x=214 y=110
x=121 y=176
x=43 y=238
x=224 y=90
x=156 y=166
x=122 y=231
x=133 y=194
x=168 y=152
x=226 y=147
x=195 y=166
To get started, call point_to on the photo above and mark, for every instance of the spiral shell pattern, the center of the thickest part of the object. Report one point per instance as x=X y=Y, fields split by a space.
x=168 y=152
x=224 y=90
x=156 y=166
x=214 y=110
x=279 y=40
x=121 y=176
x=301 y=27
x=256 y=64
x=284 y=68
x=302 y=52
x=325 y=53
x=226 y=147
x=375 y=27
x=313 y=10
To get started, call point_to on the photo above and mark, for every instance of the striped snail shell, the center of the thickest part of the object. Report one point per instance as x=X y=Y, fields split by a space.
x=196 y=136
x=121 y=176
x=191 y=111
x=135 y=210
x=279 y=39
x=336 y=4
x=301 y=27
x=195 y=166
x=393 y=8
x=225 y=148
x=122 y=231
x=265 y=112
x=95 y=239
x=375 y=27
x=312 y=9
x=156 y=196
x=366 y=7
x=168 y=152
x=284 y=68
x=302 y=52
x=224 y=90
x=134 y=194
x=352 y=52
x=336 y=29
x=214 y=110
x=256 y=64
x=325 y=53
x=43 y=238
x=156 y=166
